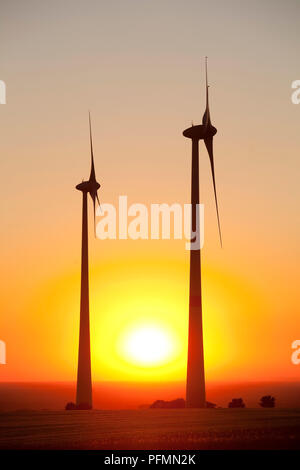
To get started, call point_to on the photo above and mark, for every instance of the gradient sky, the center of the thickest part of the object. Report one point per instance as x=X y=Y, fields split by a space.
x=138 y=66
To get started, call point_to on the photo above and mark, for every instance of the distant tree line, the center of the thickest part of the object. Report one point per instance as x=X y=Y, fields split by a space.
x=266 y=401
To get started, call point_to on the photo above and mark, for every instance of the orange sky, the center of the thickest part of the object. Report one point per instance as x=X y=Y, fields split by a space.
x=139 y=67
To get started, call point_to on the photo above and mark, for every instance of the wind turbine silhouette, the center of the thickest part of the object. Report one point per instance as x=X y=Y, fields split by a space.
x=84 y=378
x=195 y=383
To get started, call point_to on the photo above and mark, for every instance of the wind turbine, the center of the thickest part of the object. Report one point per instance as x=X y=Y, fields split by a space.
x=84 y=378
x=195 y=383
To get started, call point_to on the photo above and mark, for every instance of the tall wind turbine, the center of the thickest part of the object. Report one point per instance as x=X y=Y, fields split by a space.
x=195 y=384
x=84 y=378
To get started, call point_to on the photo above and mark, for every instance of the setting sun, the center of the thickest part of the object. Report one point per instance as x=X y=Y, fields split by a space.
x=148 y=345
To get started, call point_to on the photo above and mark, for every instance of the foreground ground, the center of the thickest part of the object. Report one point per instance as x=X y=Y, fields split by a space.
x=151 y=429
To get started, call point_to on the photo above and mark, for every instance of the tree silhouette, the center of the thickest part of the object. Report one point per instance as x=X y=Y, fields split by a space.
x=178 y=403
x=82 y=406
x=267 y=401
x=236 y=403
x=70 y=406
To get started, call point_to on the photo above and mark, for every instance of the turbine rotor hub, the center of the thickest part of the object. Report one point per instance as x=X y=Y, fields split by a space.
x=199 y=132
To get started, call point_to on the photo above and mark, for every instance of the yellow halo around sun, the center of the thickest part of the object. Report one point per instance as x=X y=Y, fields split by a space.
x=147 y=345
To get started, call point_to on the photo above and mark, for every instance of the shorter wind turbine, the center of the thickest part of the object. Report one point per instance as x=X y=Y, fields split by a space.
x=84 y=379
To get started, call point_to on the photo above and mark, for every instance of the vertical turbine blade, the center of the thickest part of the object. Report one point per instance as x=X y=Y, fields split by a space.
x=92 y=175
x=206 y=117
x=94 y=196
x=94 y=185
x=94 y=210
x=98 y=201
x=209 y=146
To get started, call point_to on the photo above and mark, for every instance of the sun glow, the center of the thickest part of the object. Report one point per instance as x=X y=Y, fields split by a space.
x=148 y=345
x=139 y=324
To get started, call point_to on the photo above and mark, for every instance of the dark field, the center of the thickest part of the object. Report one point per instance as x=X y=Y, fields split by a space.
x=151 y=429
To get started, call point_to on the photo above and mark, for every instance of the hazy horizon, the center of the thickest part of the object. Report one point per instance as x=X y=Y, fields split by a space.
x=132 y=395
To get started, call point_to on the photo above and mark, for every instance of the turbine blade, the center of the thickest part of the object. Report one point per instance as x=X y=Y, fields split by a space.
x=94 y=196
x=94 y=209
x=206 y=116
x=209 y=146
x=98 y=201
x=92 y=175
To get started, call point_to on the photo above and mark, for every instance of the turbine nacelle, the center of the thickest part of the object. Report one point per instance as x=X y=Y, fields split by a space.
x=200 y=132
x=88 y=187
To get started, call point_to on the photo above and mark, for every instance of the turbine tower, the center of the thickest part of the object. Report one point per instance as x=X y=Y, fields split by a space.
x=84 y=378
x=195 y=384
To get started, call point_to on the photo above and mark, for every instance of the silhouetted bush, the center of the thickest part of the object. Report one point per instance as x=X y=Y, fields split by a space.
x=236 y=403
x=178 y=403
x=267 y=401
x=81 y=406
x=210 y=405
x=70 y=406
